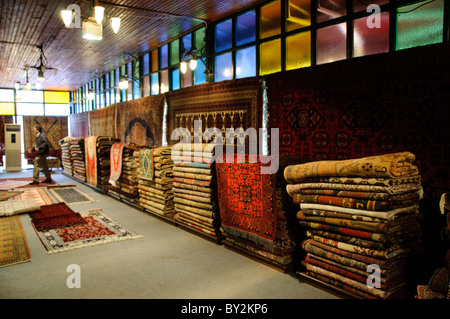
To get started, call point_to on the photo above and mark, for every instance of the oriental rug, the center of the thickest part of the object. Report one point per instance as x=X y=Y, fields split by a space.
x=146 y=164
x=116 y=155
x=13 y=242
x=247 y=200
x=17 y=206
x=55 y=216
x=70 y=194
x=140 y=121
x=5 y=194
x=55 y=127
x=38 y=194
x=79 y=124
x=90 y=151
x=102 y=122
x=22 y=182
x=99 y=229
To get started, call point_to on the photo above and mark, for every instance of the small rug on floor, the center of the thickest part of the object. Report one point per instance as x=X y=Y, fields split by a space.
x=38 y=194
x=100 y=229
x=69 y=194
x=22 y=182
x=6 y=194
x=13 y=242
x=17 y=206
x=55 y=216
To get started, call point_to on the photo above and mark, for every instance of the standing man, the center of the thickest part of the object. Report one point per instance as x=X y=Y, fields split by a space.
x=40 y=161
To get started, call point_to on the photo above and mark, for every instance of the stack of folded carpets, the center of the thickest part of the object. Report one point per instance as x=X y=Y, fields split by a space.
x=156 y=180
x=65 y=155
x=195 y=189
x=124 y=172
x=76 y=148
x=362 y=221
x=98 y=159
x=258 y=216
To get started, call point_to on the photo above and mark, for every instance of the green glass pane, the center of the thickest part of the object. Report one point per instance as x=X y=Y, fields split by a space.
x=136 y=69
x=175 y=52
x=271 y=19
x=420 y=24
x=199 y=38
x=270 y=57
x=298 y=51
x=298 y=14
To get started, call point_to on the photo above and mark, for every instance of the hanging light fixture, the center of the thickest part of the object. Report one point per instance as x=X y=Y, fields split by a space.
x=123 y=83
x=192 y=57
x=27 y=86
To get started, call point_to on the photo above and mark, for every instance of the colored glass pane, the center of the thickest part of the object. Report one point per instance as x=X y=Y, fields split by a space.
x=298 y=51
x=146 y=85
x=175 y=52
x=298 y=14
x=164 y=55
x=56 y=97
x=224 y=67
x=330 y=9
x=154 y=82
x=223 y=35
x=175 y=79
x=246 y=28
x=270 y=19
x=164 y=81
x=359 y=5
x=186 y=42
x=246 y=62
x=420 y=24
x=371 y=36
x=199 y=73
x=146 y=63
x=270 y=61
x=331 y=43
x=7 y=108
x=155 y=61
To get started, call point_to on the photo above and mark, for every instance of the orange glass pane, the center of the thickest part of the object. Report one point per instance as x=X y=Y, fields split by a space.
x=271 y=19
x=298 y=14
x=298 y=51
x=155 y=61
x=270 y=57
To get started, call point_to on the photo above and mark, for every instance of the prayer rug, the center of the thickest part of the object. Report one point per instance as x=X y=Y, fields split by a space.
x=99 y=229
x=90 y=144
x=38 y=194
x=146 y=164
x=55 y=216
x=247 y=200
x=13 y=242
x=17 y=206
x=70 y=194
x=116 y=162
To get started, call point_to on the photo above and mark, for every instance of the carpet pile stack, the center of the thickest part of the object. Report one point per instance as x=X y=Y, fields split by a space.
x=66 y=158
x=362 y=221
x=76 y=149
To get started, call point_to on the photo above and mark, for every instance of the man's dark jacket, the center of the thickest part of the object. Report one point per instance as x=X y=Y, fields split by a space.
x=42 y=145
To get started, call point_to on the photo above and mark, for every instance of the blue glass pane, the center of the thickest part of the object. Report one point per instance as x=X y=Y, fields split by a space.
x=164 y=56
x=223 y=35
x=223 y=67
x=246 y=62
x=186 y=42
x=175 y=79
x=146 y=63
x=154 y=83
x=245 y=28
x=136 y=90
x=199 y=73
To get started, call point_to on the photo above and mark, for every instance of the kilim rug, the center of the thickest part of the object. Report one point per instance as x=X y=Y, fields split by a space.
x=13 y=242
x=100 y=229
x=90 y=144
x=17 y=206
x=146 y=164
x=55 y=216
x=247 y=201
x=38 y=194
x=69 y=194
x=116 y=162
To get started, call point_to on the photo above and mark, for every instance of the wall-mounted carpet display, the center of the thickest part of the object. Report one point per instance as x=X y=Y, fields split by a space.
x=373 y=105
x=258 y=216
x=140 y=121
x=97 y=160
x=77 y=155
x=102 y=122
x=68 y=232
x=155 y=176
x=124 y=172
x=55 y=127
x=360 y=213
x=79 y=124
x=13 y=242
x=195 y=190
x=230 y=104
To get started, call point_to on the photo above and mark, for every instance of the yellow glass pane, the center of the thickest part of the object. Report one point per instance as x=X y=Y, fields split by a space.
x=298 y=51
x=271 y=19
x=7 y=108
x=270 y=57
x=56 y=97
x=298 y=14
x=155 y=60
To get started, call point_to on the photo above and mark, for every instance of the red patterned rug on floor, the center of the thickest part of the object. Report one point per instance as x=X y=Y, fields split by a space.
x=55 y=216
x=22 y=182
x=247 y=201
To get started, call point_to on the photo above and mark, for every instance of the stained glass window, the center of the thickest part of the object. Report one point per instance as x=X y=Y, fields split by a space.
x=224 y=67
x=271 y=19
x=298 y=50
x=371 y=35
x=246 y=62
x=298 y=14
x=164 y=52
x=246 y=28
x=223 y=35
x=270 y=57
x=331 y=43
x=175 y=52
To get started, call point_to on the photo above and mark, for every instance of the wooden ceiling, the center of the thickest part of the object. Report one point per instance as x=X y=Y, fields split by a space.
x=27 y=24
